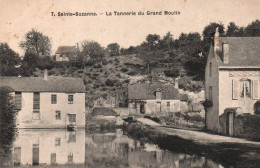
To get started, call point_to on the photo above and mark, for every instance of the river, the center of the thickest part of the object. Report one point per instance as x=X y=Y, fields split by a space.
x=61 y=148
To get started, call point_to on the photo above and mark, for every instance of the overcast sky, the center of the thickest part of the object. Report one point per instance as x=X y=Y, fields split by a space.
x=19 y=16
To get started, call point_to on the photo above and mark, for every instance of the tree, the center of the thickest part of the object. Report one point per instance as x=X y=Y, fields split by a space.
x=29 y=63
x=37 y=42
x=93 y=49
x=7 y=121
x=113 y=49
x=253 y=29
x=8 y=60
x=167 y=41
x=152 y=40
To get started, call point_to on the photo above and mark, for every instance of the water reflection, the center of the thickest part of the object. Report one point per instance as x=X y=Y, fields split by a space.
x=60 y=148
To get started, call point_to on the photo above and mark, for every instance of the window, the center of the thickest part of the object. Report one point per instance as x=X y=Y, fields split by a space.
x=210 y=69
x=72 y=118
x=245 y=88
x=53 y=99
x=58 y=115
x=36 y=100
x=210 y=93
x=53 y=158
x=18 y=100
x=168 y=104
x=72 y=137
x=70 y=99
x=57 y=141
x=36 y=115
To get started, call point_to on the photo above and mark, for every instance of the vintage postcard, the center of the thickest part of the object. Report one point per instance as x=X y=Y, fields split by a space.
x=138 y=84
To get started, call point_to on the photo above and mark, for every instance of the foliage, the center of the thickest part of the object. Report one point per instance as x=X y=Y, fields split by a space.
x=93 y=49
x=8 y=60
x=7 y=119
x=174 y=72
x=36 y=42
x=257 y=107
x=113 y=49
x=110 y=82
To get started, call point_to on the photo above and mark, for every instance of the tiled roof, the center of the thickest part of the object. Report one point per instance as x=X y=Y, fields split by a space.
x=144 y=92
x=66 y=49
x=243 y=51
x=38 y=84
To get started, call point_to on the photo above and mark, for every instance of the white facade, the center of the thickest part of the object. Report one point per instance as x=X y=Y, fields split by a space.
x=47 y=113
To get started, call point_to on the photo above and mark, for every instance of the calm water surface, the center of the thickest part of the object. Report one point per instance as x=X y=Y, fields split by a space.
x=60 y=148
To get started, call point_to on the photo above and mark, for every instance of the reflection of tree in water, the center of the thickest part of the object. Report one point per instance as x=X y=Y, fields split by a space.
x=8 y=130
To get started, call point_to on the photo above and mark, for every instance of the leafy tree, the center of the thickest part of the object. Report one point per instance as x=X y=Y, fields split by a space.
x=234 y=31
x=113 y=49
x=152 y=40
x=29 y=63
x=93 y=49
x=7 y=121
x=167 y=41
x=36 y=42
x=208 y=34
x=253 y=29
x=8 y=60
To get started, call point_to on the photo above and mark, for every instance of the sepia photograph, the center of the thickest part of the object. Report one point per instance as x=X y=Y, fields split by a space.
x=130 y=84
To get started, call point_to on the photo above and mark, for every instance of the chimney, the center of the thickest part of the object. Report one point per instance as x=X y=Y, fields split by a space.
x=216 y=41
x=45 y=77
x=225 y=49
x=77 y=45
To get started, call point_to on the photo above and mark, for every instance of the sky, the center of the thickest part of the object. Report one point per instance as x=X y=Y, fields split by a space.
x=17 y=17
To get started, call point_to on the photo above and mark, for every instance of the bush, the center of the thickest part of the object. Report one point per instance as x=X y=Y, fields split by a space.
x=104 y=111
x=132 y=73
x=172 y=73
x=257 y=107
x=104 y=62
x=124 y=70
x=110 y=82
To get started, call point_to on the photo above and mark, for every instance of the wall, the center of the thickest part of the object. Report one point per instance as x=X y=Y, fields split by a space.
x=225 y=94
x=150 y=107
x=47 y=110
x=212 y=116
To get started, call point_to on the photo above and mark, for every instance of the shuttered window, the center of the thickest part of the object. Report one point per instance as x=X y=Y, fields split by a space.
x=18 y=100
x=235 y=89
x=255 y=89
x=36 y=100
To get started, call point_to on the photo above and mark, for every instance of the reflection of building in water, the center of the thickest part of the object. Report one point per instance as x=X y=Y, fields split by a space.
x=34 y=147
x=117 y=150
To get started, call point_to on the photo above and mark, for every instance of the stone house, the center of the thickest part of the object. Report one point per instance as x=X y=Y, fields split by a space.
x=232 y=77
x=49 y=102
x=66 y=53
x=153 y=99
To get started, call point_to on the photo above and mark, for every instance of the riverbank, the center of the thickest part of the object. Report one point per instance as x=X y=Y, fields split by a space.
x=226 y=150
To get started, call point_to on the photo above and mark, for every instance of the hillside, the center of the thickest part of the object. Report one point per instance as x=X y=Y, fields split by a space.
x=115 y=74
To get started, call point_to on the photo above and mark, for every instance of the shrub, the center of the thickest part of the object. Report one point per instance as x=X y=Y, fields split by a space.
x=124 y=70
x=132 y=73
x=172 y=73
x=80 y=71
x=257 y=107
x=104 y=62
x=110 y=82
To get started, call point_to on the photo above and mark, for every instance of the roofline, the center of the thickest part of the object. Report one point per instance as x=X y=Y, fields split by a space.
x=47 y=91
x=238 y=67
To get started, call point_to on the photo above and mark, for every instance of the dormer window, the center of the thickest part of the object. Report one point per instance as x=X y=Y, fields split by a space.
x=158 y=93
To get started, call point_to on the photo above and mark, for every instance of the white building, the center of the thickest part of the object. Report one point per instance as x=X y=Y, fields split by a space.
x=49 y=102
x=232 y=78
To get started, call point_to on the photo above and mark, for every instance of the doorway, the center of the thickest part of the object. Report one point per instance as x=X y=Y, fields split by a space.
x=230 y=124
x=142 y=109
